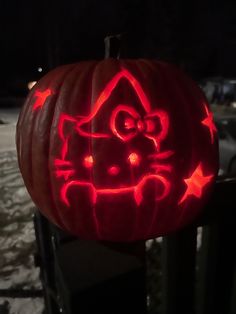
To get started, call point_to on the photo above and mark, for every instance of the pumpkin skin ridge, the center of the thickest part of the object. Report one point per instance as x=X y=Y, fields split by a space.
x=22 y=118
x=132 y=64
x=142 y=67
x=202 y=98
x=72 y=68
x=20 y=121
x=186 y=113
x=117 y=66
x=95 y=92
x=83 y=77
x=134 y=68
x=60 y=87
x=28 y=109
x=138 y=71
x=39 y=116
x=104 y=233
x=79 y=76
x=183 y=78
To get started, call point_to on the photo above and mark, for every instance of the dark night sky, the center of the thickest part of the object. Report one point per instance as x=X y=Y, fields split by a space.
x=200 y=35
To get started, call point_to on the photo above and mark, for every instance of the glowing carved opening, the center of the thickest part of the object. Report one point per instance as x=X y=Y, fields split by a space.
x=137 y=189
x=41 y=98
x=88 y=161
x=134 y=159
x=152 y=124
x=209 y=123
x=129 y=123
x=114 y=170
x=64 y=173
x=63 y=168
x=162 y=155
x=195 y=183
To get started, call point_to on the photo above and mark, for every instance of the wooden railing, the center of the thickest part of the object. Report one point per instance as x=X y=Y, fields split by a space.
x=85 y=277
x=203 y=281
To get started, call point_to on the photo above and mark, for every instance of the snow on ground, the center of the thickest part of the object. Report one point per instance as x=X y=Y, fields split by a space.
x=9 y=115
x=7 y=141
x=8 y=119
x=17 y=238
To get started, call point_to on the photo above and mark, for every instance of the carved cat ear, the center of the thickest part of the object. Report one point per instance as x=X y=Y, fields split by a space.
x=83 y=128
x=83 y=125
x=65 y=125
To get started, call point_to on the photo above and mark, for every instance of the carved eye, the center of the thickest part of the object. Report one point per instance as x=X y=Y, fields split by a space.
x=88 y=161
x=134 y=159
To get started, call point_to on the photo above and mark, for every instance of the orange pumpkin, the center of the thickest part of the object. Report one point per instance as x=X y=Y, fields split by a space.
x=117 y=150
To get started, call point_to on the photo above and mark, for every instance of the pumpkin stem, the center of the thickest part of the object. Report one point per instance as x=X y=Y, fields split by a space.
x=113 y=46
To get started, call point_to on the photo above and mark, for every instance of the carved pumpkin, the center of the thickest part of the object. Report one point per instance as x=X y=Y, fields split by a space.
x=117 y=150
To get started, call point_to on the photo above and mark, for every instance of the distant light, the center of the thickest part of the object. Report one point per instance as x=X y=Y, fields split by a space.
x=31 y=84
x=40 y=69
x=233 y=104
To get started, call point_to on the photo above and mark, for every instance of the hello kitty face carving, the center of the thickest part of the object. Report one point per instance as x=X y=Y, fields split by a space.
x=132 y=132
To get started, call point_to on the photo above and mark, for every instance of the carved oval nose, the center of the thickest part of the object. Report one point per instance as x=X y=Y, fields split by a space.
x=114 y=170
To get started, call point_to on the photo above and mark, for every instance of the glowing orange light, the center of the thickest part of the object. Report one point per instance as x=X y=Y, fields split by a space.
x=136 y=189
x=41 y=98
x=105 y=94
x=140 y=126
x=195 y=183
x=130 y=119
x=160 y=168
x=88 y=161
x=134 y=159
x=134 y=124
x=64 y=173
x=208 y=122
x=152 y=124
x=129 y=123
x=114 y=170
x=60 y=162
x=73 y=183
x=162 y=155
x=62 y=121
x=62 y=168
x=64 y=148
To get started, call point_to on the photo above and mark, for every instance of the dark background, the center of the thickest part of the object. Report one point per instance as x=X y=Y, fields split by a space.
x=200 y=35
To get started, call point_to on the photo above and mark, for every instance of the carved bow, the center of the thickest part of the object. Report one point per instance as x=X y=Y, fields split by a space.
x=126 y=123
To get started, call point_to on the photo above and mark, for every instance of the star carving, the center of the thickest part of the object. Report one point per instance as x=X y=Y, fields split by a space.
x=41 y=98
x=195 y=184
x=209 y=123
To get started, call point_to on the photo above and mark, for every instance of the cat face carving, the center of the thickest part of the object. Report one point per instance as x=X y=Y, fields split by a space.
x=118 y=150
x=118 y=154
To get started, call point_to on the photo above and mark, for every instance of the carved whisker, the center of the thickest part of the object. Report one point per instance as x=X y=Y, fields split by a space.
x=62 y=162
x=160 y=167
x=161 y=155
x=64 y=173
